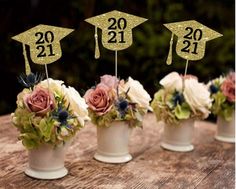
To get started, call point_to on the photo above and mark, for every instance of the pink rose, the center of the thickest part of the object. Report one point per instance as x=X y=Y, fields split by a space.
x=40 y=101
x=99 y=99
x=110 y=81
x=228 y=89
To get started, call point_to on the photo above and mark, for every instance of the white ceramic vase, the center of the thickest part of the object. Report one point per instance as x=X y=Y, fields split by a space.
x=225 y=131
x=178 y=137
x=112 y=143
x=47 y=162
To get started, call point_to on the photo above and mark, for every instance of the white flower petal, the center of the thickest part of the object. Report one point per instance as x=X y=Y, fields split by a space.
x=137 y=93
x=56 y=86
x=172 y=81
x=77 y=104
x=197 y=96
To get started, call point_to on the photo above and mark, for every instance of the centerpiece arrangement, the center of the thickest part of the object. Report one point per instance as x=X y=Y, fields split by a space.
x=180 y=101
x=223 y=94
x=182 y=98
x=115 y=106
x=48 y=113
x=47 y=120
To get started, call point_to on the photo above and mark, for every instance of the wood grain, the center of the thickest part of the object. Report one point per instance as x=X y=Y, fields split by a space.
x=210 y=165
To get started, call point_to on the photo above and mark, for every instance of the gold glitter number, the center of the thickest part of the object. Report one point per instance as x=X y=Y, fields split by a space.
x=47 y=37
x=41 y=49
x=186 y=48
x=195 y=48
x=121 y=37
x=40 y=39
x=113 y=37
x=188 y=35
x=113 y=23
x=51 y=50
x=195 y=35
x=117 y=24
x=199 y=35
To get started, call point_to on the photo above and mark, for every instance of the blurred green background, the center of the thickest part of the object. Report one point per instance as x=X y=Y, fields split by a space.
x=144 y=60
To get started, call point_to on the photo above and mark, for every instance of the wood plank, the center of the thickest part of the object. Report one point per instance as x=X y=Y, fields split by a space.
x=224 y=171
x=210 y=165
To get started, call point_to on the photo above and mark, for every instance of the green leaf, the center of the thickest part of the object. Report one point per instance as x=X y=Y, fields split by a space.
x=182 y=112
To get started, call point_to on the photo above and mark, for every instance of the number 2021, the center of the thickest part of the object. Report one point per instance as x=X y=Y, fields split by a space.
x=47 y=37
x=121 y=24
x=196 y=35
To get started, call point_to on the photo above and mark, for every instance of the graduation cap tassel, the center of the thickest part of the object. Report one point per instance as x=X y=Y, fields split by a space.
x=169 y=58
x=97 y=52
x=27 y=66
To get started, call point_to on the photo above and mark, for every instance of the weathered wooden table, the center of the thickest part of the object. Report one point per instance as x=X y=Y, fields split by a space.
x=210 y=165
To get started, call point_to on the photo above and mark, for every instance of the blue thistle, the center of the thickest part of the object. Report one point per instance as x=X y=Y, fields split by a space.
x=29 y=81
x=178 y=98
x=213 y=88
x=62 y=115
x=122 y=104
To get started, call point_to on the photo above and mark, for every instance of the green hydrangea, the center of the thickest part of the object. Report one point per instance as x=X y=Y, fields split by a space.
x=220 y=106
x=167 y=109
x=36 y=130
x=133 y=118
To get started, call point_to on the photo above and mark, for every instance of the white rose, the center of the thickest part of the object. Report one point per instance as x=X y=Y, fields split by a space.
x=137 y=93
x=55 y=86
x=197 y=96
x=77 y=104
x=172 y=81
x=219 y=81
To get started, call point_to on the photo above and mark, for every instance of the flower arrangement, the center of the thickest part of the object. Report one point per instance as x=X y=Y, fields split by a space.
x=181 y=98
x=222 y=91
x=47 y=111
x=114 y=100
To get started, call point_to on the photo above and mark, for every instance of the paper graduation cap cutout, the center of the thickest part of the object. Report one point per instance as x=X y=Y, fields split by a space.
x=192 y=38
x=116 y=29
x=44 y=43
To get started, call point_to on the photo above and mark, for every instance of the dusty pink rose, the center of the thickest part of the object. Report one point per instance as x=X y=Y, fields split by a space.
x=110 y=81
x=39 y=101
x=99 y=99
x=228 y=89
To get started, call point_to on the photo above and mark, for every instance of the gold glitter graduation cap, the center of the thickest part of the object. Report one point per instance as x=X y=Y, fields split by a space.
x=44 y=43
x=116 y=29
x=192 y=38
